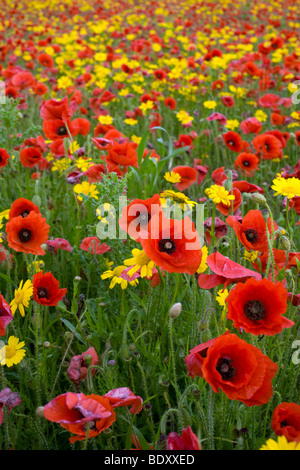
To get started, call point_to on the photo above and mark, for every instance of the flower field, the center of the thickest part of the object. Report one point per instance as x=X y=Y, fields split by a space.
x=149 y=225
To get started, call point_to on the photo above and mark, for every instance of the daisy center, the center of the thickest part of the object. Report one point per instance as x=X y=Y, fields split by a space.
x=254 y=310
x=10 y=351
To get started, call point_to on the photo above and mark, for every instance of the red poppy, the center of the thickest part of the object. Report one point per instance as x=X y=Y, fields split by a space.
x=187 y=441
x=257 y=307
x=51 y=109
x=30 y=156
x=74 y=410
x=251 y=126
x=286 y=421
x=219 y=176
x=78 y=368
x=228 y=101
x=201 y=170
x=224 y=209
x=95 y=173
x=247 y=162
x=268 y=101
x=233 y=141
x=220 y=229
x=46 y=289
x=188 y=176
x=58 y=244
x=122 y=154
x=45 y=60
x=226 y=272
x=94 y=246
x=170 y=103
x=27 y=234
x=245 y=187
x=125 y=397
x=297 y=138
x=239 y=369
x=196 y=357
x=172 y=244
x=3 y=157
x=5 y=315
x=22 y=207
x=136 y=215
x=251 y=231
x=268 y=145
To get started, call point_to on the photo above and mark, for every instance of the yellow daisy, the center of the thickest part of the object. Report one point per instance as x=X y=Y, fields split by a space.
x=12 y=353
x=22 y=296
x=281 y=444
x=219 y=194
x=139 y=261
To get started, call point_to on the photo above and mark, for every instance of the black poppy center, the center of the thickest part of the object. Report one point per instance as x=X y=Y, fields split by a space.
x=25 y=235
x=284 y=423
x=167 y=246
x=42 y=293
x=230 y=142
x=62 y=130
x=24 y=213
x=251 y=235
x=254 y=310
x=246 y=163
x=225 y=368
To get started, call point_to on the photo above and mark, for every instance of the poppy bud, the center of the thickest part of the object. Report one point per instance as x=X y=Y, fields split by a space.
x=258 y=198
x=285 y=243
x=45 y=247
x=46 y=344
x=40 y=412
x=196 y=393
x=175 y=310
x=77 y=278
x=202 y=325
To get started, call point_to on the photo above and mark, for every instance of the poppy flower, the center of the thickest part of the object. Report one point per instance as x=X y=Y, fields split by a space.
x=286 y=421
x=94 y=246
x=225 y=272
x=136 y=215
x=220 y=229
x=201 y=170
x=297 y=138
x=30 y=156
x=251 y=126
x=245 y=187
x=74 y=410
x=268 y=145
x=27 y=234
x=257 y=307
x=58 y=244
x=228 y=101
x=125 y=397
x=233 y=141
x=170 y=103
x=10 y=399
x=22 y=207
x=5 y=315
x=247 y=162
x=268 y=101
x=78 y=368
x=251 y=231
x=194 y=360
x=51 y=110
x=188 y=176
x=46 y=289
x=40 y=89
x=45 y=60
x=3 y=158
x=219 y=176
x=172 y=244
x=123 y=154
x=95 y=173
x=57 y=129
x=187 y=441
x=239 y=369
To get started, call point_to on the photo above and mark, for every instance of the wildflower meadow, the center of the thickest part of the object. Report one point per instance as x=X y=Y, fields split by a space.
x=149 y=225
